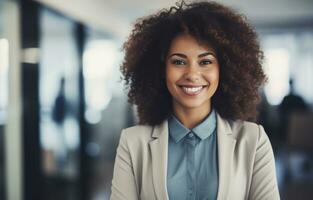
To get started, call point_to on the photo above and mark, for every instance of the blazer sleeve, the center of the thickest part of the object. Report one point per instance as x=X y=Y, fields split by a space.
x=123 y=182
x=264 y=183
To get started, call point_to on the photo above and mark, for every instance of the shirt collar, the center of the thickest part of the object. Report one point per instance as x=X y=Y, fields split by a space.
x=203 y=130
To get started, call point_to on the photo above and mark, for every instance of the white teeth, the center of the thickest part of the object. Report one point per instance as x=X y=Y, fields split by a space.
x=192 y=90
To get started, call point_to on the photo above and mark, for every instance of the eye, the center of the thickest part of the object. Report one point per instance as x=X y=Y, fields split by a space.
x=178 y=62
x=205 y=62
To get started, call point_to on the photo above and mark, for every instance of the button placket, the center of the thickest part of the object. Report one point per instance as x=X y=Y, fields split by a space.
x=191 y=168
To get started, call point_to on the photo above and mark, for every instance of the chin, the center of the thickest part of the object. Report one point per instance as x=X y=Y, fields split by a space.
x=193 y=104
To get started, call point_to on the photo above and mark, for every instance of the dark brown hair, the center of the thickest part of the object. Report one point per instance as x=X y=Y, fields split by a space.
x=233 y=39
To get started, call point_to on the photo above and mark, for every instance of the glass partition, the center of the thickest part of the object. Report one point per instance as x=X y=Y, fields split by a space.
x=107 y=110
x=59 y=106
x=4 y=62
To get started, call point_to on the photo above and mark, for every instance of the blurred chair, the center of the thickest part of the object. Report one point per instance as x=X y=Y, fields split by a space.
x=299 y=157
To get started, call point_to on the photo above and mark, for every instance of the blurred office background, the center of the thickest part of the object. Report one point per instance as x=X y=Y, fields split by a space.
x=62 y=103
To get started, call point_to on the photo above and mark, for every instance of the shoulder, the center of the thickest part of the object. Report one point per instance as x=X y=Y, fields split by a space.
x=250 y=132
x=137 y=131
x=137 y=134
x=251 y=139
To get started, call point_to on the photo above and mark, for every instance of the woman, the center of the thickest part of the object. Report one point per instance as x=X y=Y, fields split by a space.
x=193 y=72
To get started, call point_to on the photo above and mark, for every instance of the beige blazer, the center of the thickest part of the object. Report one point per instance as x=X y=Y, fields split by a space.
x=245 y=159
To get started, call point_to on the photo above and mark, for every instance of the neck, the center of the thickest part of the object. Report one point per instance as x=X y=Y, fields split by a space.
x=192 y=116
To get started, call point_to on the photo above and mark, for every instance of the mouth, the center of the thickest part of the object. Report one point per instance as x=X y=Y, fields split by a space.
x=192 y=90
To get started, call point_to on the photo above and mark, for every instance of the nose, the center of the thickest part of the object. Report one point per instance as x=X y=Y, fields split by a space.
x=192 y=73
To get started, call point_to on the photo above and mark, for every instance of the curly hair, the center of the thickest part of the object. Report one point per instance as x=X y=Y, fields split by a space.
x=234 y=40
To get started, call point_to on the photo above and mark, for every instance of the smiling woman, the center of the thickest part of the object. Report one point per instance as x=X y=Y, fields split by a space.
x=194 y=71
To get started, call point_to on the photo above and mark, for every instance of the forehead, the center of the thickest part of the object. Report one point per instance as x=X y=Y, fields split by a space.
x=188 y=44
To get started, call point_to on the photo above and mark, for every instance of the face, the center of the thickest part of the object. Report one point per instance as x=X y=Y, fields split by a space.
x=192 y=73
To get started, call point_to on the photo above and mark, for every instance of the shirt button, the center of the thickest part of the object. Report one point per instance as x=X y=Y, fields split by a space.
x=190 y=135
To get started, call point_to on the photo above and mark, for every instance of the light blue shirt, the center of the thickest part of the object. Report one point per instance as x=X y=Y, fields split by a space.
x=192 y=160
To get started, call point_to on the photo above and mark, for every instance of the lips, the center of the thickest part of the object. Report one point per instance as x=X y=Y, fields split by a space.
x=192 y=90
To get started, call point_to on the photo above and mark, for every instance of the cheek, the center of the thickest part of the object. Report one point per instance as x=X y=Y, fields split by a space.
x=172 y=76
x=216 y=77
x=212 y=77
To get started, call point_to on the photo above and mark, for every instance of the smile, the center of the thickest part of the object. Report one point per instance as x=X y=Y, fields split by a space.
x=192 y=91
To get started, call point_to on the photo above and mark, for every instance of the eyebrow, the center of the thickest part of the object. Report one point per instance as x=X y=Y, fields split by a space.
x=200 y=55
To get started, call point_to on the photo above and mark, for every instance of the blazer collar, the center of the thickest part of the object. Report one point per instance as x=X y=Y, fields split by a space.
x=159 y=148
x=159 y=151
x=226 y=146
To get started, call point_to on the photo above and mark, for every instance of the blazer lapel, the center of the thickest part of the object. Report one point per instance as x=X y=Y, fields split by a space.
x=226 y=145
x=159 y=148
